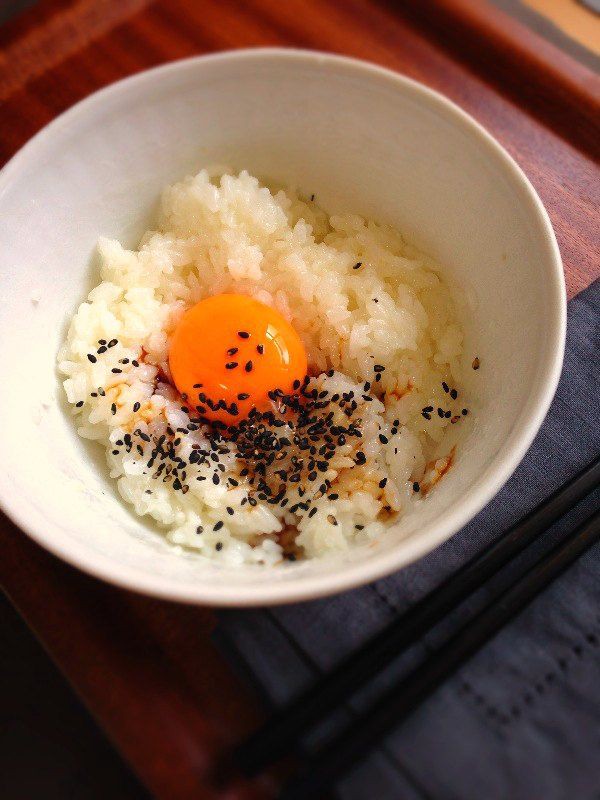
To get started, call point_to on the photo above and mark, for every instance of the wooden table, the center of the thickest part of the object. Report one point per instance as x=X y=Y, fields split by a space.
x=147 y=669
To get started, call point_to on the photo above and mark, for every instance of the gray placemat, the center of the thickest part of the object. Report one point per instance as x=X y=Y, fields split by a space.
x=521 y=720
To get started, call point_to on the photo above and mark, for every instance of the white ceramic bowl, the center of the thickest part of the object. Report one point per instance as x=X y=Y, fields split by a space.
x=361 y=138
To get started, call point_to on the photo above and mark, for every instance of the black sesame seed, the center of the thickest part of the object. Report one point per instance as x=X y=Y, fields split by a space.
x=383 y=439
x=453 y=394
x=217 y=526
x=359 y=527
x=382 y=483
x=243 y=334
x=113 y=342
x=243 y=396
x=92 y=358
x=219 y=545
x=199 y=529
x=135 y=363
x=79 y=404
x=230 y=511
x=113 y=409
x=416 y=487
x=215 y=479
x=358 y=265
x=260 y=349
x=445 y=387
x=440 y=412
x=232 y=351
x=136 y=407
x=248 y=366
x=102 y=349
x=312 y=512
x=231 y=365
x=465 y=412
x=116 y=370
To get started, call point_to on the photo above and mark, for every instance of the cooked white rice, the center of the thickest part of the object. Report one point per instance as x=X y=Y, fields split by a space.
x=234 y=235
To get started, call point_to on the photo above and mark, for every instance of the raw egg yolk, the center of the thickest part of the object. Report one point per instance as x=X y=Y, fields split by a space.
x=232 y=350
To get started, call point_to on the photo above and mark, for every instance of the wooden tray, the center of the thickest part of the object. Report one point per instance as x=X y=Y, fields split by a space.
x=147 y=669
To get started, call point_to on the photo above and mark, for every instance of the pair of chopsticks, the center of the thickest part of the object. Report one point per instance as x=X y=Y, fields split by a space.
x=281 y=733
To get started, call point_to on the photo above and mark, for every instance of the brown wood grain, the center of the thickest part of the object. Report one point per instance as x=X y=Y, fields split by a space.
x=560 y=91
x=146 y=668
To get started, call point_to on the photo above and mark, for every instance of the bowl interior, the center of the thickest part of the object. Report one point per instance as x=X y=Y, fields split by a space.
x=361 y=140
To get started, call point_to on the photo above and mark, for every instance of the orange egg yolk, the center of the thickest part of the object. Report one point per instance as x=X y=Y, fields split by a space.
x=233 y=349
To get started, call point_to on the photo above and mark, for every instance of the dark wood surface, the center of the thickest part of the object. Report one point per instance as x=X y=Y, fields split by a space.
x=147 y=669
x=49 y=746
x=548 y=83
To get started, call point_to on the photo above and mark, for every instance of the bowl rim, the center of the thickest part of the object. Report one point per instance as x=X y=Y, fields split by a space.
x=436 y=532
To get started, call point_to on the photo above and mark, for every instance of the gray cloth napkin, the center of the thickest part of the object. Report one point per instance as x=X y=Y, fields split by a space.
x=521 y=720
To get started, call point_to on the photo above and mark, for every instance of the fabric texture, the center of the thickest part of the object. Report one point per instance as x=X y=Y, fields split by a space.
x=521 y=719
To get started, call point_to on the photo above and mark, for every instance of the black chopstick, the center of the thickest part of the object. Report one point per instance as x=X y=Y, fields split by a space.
x=367 y=729
x=284 y=728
